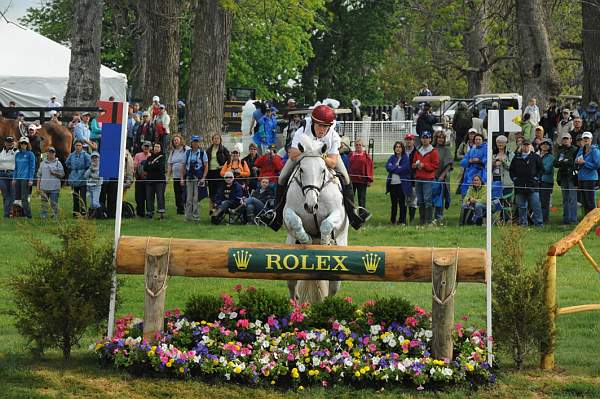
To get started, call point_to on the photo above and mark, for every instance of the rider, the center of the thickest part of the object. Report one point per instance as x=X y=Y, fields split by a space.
x=319 y=127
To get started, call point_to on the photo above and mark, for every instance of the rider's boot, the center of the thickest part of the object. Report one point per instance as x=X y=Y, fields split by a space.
x=274 y=217
x=357 y=216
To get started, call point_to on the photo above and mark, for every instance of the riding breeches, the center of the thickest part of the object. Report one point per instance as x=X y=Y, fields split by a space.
x=289 y=166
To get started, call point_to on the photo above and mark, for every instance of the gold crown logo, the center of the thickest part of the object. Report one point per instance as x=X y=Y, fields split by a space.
x=371 y=262
x=242 y=259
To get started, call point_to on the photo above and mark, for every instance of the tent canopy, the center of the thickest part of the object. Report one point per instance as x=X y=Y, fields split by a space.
x=33 y=68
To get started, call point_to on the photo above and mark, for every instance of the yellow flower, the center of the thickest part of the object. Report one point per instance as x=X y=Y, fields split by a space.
x=313 y=372
x=438 y=362
x=301 y=388
x=170 y=363
x=181 y=370
x=295 y=373
x=98 y=346
x=237 y=370
x=356 y=353
x=203 y=322
x=215 y=361
x=307 y=360
x=357 y=374
x=350 y=343
x=267 y=372
x=470 y=367
x=272 y=382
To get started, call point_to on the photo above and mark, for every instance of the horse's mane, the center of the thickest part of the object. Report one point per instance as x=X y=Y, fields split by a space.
x=311 y=147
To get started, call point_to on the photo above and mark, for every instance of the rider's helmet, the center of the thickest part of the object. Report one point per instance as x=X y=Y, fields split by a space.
x=323 y=115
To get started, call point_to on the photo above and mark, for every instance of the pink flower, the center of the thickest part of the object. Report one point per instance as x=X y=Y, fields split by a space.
x=597 y=232
x=242 y=312
x=369 y=303
x=348 y=299
x=464 y=318
x=290 y=357
x=301 y=335
x=420 y=311
x=251 y=289
x=271 y=321
x=410 y=321
x=459 y=327
x=297 y=316
x=372 y=347
x=335 y=325
x=237 y=288
x=365 y=340
x=324 y=383
x=168 y=313
x=243 y=323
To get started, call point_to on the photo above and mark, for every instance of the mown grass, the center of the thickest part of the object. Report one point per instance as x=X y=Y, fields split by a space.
x=577 y=355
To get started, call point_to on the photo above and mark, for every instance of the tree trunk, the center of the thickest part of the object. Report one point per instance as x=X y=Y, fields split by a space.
x=478 y=76
x=210 y=54
x=83 y=88
x=140 y=53
x=536 y=66
x=590 y=10
x=162 y=69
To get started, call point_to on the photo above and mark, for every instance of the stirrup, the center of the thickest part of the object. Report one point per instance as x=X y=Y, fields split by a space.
x=266 y=218
x=363 y=213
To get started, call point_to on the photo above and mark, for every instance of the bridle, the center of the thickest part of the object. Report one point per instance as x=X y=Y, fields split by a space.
x=306 y=188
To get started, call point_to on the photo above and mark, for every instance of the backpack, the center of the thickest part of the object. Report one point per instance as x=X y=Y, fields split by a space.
x=194 y=169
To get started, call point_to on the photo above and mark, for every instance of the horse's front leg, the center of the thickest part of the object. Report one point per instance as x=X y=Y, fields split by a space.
x=294 y=225
x=328 y=225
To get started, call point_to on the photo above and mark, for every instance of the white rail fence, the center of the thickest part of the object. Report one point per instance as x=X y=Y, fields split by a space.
x=383 y=133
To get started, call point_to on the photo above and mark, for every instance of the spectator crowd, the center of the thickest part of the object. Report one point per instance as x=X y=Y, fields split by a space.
x=556 y=147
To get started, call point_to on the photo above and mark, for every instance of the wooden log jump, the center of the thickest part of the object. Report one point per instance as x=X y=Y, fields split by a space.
x=206 y=258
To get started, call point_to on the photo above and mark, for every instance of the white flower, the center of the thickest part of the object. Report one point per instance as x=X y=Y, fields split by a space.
x=392 y=343
x=197 y=358
x=222 y=360
x=446 y=371
x=428 y=333
x=301 y=367
x=258 y=323
x=228 y=376
x=265 y=344
x=432 y=371
x=375 y=360
x=316 y=361
x=348 y=362
x=232 y=315
x=221 y=316
x=401 y=367
x=375 y=329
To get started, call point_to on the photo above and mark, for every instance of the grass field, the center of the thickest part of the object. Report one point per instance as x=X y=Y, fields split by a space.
x=577 y=355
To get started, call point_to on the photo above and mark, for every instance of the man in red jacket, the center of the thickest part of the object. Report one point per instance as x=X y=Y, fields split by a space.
x=269 y=165
x=425 y=163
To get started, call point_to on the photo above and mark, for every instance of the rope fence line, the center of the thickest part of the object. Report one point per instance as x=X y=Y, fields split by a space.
x=276 y=176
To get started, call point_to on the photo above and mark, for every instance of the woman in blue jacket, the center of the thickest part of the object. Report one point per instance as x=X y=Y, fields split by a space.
x=588 y=160
x=474 y=163
x=78 y=162
x=23 y=174
x=267 y=127
x=398 y=182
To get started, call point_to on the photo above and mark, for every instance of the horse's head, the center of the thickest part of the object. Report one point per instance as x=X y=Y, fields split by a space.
x=312 y=172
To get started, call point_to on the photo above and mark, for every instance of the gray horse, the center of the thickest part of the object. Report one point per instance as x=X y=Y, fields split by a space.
x=314 y=214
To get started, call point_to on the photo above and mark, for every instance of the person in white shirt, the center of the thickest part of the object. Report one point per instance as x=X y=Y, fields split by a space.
x=533 y=110
x=398 y=113
x=7 y=167
x=53 y=103
x=320 y=127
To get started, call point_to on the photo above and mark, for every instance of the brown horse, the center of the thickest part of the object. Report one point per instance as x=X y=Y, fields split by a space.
x=51 y=134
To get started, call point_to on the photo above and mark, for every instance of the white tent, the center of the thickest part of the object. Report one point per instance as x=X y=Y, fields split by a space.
x=33 y=68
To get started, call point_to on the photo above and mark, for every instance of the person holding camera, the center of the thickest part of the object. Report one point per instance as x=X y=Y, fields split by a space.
x=566 y=177
x=588 y=161
x=193 y=175
x=269 y=165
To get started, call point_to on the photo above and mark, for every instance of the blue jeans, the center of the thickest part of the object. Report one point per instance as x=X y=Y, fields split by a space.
x=529 y=199
x=478 y=213
x=569 y=200
x=254 y=205
x=52 y=198
x=423 y=189
x=7 y=191
x=94 y=192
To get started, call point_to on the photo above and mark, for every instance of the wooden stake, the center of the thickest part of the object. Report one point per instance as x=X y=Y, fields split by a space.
x=444 y=287
x=547 y=361
x=155 y=277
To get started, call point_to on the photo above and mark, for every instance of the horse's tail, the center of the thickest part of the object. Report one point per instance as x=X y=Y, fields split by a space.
x=312 y=291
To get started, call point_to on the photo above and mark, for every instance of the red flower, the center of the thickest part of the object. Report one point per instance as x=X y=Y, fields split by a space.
x=348 y=299
x=237 y=288
x=598 y=232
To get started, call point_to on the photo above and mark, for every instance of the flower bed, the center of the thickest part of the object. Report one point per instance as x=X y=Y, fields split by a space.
x=285 y=352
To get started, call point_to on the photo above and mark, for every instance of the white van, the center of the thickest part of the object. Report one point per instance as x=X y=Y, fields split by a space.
x=482 y=102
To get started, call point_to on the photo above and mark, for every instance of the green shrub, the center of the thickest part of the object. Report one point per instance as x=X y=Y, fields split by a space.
x=66 y=288
x=202 y=307
x=260 y=304
x=389 y=309
x=332 y=308
x=521 y=322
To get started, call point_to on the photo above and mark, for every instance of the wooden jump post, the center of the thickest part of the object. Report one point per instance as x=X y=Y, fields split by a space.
x=444 y=267
x=559 y=248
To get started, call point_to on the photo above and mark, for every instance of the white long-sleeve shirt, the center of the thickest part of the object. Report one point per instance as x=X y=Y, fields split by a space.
x=7 y=159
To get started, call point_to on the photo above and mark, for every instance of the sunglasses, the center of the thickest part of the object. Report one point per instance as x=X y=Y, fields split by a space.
x=234 y=152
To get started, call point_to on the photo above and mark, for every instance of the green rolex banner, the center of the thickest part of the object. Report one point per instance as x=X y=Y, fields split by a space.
x=336 y=262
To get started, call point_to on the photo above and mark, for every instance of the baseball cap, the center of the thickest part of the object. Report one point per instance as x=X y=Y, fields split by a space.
x=51 y=149
x=273 y=147
x=546 y=141
x=472 y=130
x=587 y=135
x=53 y=96
x=426 y=133
x=566 y=111
x=409 y=136
x=437 y=128
x=156 y=98
x=85 y=113
x=525 y=141
x=180 y=103
x=146 y=143
x=95 y=154
x=24 y=140
x=162 y=106
x=228 y=174
x=10 y=139
x=565 y=136
x=53 y=112
x=195 y=138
